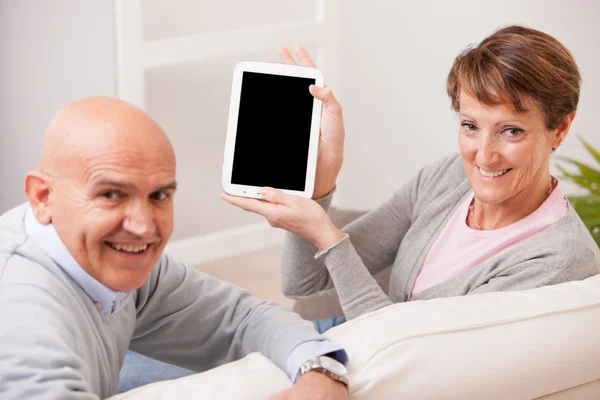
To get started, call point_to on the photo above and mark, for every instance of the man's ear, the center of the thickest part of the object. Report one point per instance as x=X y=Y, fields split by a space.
x=37 y=189
x=562 y=129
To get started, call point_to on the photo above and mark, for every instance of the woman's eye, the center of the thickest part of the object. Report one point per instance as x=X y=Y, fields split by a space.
x=469 y=126
x=513 y=132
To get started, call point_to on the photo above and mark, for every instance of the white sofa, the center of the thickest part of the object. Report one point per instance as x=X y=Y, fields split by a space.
x=541 y=343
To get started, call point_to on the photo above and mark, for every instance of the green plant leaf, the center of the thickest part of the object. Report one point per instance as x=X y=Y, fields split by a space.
x=590 y=200
x=592 y=222
x=587 y=172
x=596 y=234
x=593 y=187
x=589 y=212
x=587 y=206
x=595 y=153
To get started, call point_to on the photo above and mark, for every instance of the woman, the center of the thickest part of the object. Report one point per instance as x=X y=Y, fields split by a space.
x=489 y=219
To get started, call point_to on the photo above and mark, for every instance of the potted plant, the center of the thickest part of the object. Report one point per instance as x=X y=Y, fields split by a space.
x=587 y=205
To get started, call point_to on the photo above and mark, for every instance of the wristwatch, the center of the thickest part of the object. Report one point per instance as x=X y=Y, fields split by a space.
x=328 y=366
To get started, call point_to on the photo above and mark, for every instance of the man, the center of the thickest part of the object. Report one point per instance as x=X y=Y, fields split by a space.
x=83 y=276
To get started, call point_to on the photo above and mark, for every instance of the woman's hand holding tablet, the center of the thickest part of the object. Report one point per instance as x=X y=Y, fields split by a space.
x=286 y=208
x=331 y=140
x=273 y=130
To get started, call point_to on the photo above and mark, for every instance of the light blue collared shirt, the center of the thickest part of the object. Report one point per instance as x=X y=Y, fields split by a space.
x=45 y=236
x=307 y=350
x=108 y=300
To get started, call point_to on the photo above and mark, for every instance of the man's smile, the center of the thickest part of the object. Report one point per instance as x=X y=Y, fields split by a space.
x=129 y=248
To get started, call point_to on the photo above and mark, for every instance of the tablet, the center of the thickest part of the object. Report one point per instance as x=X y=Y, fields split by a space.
x=273 y=129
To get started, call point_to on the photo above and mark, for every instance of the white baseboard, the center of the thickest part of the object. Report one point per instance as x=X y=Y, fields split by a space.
x=215 y=246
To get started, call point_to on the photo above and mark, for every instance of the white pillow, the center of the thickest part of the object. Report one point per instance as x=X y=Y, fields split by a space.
x=511 y=345
x=251 y=378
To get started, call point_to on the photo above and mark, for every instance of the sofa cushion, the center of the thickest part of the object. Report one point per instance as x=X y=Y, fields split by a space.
x=251 y=378
x=511 y=345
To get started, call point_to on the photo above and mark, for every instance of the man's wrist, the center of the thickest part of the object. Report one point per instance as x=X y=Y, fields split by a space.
x=317 y=379
x=328 y=366
x=309 y=350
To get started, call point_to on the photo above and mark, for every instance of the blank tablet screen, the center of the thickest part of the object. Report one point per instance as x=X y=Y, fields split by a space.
x=273 y=131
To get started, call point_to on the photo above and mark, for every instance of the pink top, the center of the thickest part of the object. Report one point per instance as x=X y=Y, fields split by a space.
x=459 y=248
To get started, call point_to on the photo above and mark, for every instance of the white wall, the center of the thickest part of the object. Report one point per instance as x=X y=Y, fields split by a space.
x=51 y=53
x=190 y=98
x=395 y=56
x=395 y=59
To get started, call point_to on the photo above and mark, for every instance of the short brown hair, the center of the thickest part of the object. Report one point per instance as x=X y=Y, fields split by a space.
x=515 y=63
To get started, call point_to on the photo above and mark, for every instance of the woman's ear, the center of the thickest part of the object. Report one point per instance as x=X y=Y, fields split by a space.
x=560 y=133
x=37 y=189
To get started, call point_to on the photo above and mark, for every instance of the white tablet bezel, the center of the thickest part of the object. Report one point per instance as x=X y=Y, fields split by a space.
x=236 y=88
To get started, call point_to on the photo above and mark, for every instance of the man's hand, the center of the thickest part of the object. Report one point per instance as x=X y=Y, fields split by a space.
x=314 y=386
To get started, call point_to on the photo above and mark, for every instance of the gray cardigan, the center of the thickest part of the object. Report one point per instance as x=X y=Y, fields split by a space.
x=54 y=344
x=400 y=233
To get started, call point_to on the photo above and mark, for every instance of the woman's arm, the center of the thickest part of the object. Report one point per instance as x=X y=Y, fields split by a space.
x=374 y=236
x=346 y=258
x=372 y=244
x=570 y=259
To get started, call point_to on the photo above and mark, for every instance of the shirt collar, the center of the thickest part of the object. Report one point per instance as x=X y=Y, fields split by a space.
x=46 y=237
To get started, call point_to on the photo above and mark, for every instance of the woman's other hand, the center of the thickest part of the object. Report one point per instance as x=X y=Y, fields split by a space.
x=300 y=216
x=331 y=140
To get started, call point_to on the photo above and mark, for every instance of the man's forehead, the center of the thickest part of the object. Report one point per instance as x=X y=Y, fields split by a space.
x=146 y=183
x=126 y=167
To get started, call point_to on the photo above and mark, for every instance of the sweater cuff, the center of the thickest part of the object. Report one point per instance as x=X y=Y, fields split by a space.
x=357 y=290
x=326 y=200
x=327 y=250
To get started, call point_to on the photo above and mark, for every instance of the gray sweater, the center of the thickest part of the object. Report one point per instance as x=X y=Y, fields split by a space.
x=400 y=232
x=54 y=344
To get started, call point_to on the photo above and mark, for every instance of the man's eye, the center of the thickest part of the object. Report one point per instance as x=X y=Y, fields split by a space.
x=110 y=195
x=160 y=196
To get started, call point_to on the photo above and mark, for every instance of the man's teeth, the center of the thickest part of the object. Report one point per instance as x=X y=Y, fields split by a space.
x=129 y=248
x=492 y=174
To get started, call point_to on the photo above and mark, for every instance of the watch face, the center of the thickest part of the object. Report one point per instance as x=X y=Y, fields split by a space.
x=333 y=365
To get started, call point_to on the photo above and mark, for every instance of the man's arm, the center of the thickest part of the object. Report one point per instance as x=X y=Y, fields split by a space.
x=193 y=320
x=38 y=358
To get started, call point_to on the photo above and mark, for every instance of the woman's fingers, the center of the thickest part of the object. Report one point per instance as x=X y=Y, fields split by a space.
x=277 y=196
x=301 y=53
x=304 y=57
x=272 y=197
x=275 y=213
x=330 y=104
x=285 y=55
x=297 y=215
x=256 y=206
x=324 y=94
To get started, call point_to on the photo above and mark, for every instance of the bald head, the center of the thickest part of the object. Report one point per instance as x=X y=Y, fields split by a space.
x=106 y=184
x=96 y=125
